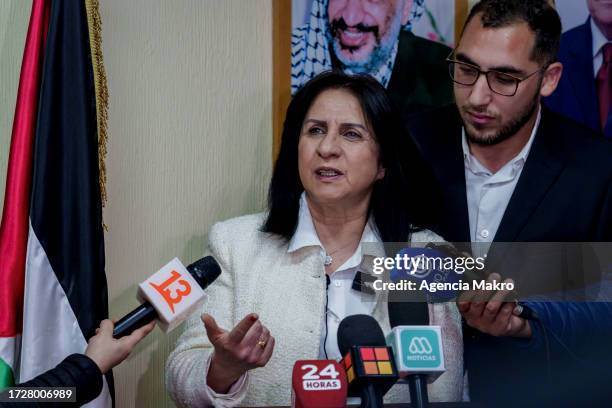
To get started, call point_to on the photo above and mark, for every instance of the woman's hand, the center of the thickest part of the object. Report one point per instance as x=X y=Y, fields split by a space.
x=247 y=346
x=106 y=351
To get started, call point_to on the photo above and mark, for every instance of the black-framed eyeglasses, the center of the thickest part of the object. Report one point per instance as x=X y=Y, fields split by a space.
x=499 y=82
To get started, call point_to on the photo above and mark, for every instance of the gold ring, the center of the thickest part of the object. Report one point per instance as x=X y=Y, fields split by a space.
x=261 y=343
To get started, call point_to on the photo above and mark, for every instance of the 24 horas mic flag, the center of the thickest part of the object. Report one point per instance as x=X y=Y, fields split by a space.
x=51 y=243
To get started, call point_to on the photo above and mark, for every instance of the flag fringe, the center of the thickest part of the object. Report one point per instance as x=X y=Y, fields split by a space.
x=95 y=39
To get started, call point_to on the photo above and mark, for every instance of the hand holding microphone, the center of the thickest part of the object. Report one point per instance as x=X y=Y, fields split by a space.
x=489 y=312
x=85 y=372
x=247 y=346
x=108 y=352
x=177 y=292
x=486 y=310
x=170 y=295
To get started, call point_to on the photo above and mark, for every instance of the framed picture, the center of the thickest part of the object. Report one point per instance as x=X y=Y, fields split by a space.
x=311 y=36
x=572 y=12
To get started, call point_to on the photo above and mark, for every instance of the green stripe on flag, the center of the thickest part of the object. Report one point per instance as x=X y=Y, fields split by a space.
x=6 y=375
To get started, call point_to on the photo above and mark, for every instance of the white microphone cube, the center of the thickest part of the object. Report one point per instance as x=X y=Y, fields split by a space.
x=173 y=292
x=417 y=350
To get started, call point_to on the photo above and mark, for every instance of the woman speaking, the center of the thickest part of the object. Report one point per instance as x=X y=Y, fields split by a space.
x=341 y=179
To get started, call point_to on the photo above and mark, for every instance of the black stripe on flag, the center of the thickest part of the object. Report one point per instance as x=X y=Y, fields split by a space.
x=66 y=211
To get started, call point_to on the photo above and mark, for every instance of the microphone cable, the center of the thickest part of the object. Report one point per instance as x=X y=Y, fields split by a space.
x=327 y=283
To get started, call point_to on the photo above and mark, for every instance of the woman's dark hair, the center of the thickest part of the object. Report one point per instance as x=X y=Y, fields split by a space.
x=400 y=201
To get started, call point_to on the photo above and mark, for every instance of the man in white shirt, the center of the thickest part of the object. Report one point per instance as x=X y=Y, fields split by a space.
x=585 y=90
x=513 y=171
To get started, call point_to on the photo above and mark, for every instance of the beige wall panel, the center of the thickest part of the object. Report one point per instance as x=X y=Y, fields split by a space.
x=14 y=18
x=190 y=138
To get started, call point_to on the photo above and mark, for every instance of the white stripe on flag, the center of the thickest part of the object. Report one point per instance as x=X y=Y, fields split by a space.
x=9 y=349
x=50 y=328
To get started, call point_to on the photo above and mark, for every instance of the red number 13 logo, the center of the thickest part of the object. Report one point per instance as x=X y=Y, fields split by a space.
x=166 y=292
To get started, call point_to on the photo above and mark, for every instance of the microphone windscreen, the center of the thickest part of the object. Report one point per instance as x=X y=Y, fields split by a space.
x=359 y=330
x=205 y=271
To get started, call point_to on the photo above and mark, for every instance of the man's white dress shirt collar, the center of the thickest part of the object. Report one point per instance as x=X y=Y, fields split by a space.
x=488 y=194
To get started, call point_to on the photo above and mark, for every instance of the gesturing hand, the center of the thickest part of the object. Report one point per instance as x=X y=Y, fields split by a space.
x=488 y=312
x=248 y=345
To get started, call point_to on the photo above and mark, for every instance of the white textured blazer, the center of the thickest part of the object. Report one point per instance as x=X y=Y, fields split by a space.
x=287 y=291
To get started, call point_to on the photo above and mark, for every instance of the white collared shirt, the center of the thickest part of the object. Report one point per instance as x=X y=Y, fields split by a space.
x=342 y=300
x=488 y=194
x=599 y=40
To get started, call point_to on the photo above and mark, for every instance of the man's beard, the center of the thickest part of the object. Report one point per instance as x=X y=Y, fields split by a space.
x=379 y=55
x=507 y=131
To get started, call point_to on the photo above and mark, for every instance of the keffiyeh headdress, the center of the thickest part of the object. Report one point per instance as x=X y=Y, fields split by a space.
x=310 y=53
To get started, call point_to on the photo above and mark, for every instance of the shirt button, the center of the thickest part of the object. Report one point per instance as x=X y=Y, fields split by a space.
x=484 y=233
x=337 y=283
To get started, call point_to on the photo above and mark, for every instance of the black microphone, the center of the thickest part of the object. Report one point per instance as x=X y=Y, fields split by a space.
x=411 y=314
x=204 y=271
x=523 y=311
x=368 y=362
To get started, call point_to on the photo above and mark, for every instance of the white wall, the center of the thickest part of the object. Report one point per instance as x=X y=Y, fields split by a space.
x=190 y=140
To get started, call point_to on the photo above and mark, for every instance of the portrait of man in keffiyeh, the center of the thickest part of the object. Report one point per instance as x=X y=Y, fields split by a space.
x=360 y=37
x=374 y=37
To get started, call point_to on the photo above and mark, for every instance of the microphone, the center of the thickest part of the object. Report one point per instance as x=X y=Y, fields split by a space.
x=318 y=383
x=441 y=250
x=523 y=311
x=417 y=347
x=369 y=364
x=170 y=295
x=427 y=266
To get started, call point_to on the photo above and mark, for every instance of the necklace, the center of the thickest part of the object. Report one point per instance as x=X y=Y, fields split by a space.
x=329 y=255
x=328 y=260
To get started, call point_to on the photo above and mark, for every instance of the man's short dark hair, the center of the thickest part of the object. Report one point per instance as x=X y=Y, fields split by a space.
x=540 y=15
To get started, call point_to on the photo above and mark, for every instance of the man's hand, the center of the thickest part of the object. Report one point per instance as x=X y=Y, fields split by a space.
x=248 y=345
x=106 y=351
x=488 y=312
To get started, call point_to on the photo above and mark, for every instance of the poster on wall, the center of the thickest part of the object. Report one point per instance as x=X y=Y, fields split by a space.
x=572 y=12
x=403 y=44
x=583 y=93
x=362 y=36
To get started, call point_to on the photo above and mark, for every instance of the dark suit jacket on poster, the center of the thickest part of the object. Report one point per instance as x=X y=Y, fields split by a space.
x=420 y=79
x=564 y=194
x=576 y=95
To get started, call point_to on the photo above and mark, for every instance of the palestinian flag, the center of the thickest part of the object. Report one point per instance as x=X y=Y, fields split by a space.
x=15 y=215
x=52 y=281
